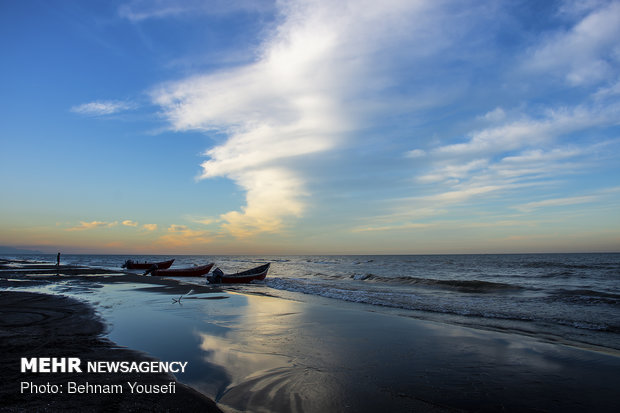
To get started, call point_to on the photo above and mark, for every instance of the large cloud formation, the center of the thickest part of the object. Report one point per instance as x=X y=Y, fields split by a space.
x=295 y=100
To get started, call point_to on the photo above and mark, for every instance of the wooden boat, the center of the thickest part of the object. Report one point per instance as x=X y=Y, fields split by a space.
x=131 y=265
x=258 y=273
x=182 y=272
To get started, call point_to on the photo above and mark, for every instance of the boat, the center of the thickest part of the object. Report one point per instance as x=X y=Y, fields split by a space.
x=131 y=265
x=258 y=273
x=198 y=271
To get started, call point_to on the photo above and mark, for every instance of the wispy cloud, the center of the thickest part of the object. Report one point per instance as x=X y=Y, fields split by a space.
x=517 y=154
x=416 y=153
x=587 y=52
x=130 y=223
x=103 y=107
x=532 y=131
x=139 y=10
x=182 y=235
x=530 y=206
x=150 y=227
x=92 y=225
x=453 y=171
x=404 y=226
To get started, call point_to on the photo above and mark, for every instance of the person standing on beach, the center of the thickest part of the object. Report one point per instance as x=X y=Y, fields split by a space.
x=58 y=260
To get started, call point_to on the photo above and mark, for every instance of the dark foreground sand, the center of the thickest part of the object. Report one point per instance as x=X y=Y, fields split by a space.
x=41 y=325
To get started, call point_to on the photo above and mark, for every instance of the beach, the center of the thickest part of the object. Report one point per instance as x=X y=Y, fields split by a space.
x=249 y=350
x=44 y=325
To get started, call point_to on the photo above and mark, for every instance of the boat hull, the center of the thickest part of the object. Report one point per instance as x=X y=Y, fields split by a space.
x=147 y=265
x=244 y=277
x=183 y=272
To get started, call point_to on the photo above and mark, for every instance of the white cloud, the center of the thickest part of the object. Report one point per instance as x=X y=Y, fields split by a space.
x=507 y=159
x=416 y=153
x=92 y=225
x=532 y=132
x=271 y=195
x=608 y=91
x=130 y=223
x=139 y=10
x=397 y=227
x=587 y=53
x=530 y=206
x=453 y=171
x=297 y=100
x=496 y=115
x=183 y=236
x=537 y=163
x=202 y=220
x=463 y=193
x=150 y=227
x=102 y=107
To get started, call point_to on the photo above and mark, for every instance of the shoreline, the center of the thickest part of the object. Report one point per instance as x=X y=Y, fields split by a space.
x=258 y=352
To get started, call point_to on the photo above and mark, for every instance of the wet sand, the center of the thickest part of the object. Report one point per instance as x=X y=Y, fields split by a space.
x=253 y=352
x=42 y=325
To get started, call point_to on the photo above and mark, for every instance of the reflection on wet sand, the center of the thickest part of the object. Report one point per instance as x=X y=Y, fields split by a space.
x=261 y=355
x=287 y=356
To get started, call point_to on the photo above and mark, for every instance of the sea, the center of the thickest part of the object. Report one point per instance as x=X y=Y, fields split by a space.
x=571 y=299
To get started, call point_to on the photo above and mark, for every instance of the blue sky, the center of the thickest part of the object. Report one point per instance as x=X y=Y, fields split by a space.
x=310 y=126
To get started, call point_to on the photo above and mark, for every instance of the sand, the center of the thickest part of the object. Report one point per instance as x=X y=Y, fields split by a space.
x=253 y=352
x=42 y=325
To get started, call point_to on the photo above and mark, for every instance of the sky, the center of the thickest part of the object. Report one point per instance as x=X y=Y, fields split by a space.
x=310 y=126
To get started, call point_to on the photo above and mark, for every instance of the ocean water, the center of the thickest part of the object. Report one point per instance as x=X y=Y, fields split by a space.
x=570 y=298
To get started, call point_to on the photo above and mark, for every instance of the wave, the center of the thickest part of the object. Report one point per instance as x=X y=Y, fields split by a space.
x=472 y=286
x=491 y=309
x=586 y=296
x=560 y=265
x=389 y=298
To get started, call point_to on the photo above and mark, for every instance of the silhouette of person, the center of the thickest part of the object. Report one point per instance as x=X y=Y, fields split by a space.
x=58 y=260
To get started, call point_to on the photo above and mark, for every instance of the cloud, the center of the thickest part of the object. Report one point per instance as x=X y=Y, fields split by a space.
x=588 y=52
x=297 y=100
x=103 y=107
x=404 y=226
x=271 y=195
x=274 y=110
x=130 y=223
x=202 y=220
x=453 y=171
x=463 y=193
x=511 y=158
x=205 y=221
x=416 y=153
x=531 y=206
x=608 y=91
x=150 y=227
x=496 y=115
x=332 y=71
x=93 y=225
x=530 y=131
x=139 y=10
x=182 y=235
